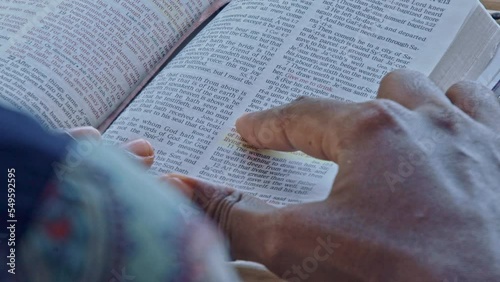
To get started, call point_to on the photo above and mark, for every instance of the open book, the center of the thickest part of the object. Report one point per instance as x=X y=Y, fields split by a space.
x=125 y=67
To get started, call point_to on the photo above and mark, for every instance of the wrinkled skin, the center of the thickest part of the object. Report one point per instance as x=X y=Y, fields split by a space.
x=417 y=197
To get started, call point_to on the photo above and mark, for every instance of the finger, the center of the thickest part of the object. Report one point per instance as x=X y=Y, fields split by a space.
x=178 y=184
x=84 y=132
x=321 y=128
x=410 y=89
x=245 y=220
x=140 y=150
x=477 y=101
x=307 y=124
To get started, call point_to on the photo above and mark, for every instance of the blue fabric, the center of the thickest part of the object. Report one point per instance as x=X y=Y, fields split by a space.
x=99 y=216
x=31 y=151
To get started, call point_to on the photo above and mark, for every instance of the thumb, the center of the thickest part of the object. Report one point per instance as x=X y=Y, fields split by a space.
x=84 y=132
x=140 y=150
x=245 y=220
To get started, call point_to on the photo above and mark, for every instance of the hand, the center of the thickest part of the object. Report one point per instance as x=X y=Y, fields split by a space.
x=140 y=150
x=417 y=196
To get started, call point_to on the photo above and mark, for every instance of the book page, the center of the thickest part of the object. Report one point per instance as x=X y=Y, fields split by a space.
x=491 y=75
x=258 y=54
x=471 y=53
x=15 y=14
x=74 y=61
x=204 y=18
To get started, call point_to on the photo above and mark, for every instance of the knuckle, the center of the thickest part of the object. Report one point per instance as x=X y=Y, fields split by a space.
x=226 y=197
x=470 y=95
x=470 y=105
x=283 y=117
x=466 y=86
x=210 y=196
x=445 y=118
x=378 y=114
x=459 y=86
x=400 y=74
x=392 y=76
x=219 y=204
x=405 y=80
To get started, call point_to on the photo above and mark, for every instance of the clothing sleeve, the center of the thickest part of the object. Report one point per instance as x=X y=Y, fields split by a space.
x=27 y=152
x=103 y=218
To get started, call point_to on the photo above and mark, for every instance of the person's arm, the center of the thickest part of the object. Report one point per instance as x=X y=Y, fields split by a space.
x=26 y=154
x=102 y=218
x=416 y=197
x=90 y=213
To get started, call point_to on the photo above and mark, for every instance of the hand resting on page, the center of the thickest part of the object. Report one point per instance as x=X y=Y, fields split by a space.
x=417 y=197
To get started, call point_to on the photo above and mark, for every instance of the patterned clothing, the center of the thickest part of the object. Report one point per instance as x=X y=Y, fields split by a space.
x=102 y=218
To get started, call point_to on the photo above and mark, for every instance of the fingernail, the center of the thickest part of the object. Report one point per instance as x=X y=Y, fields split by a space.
x=140 y=147
x=147 y=161
x=190 y=182
x=84 y=132
x=178 y=182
